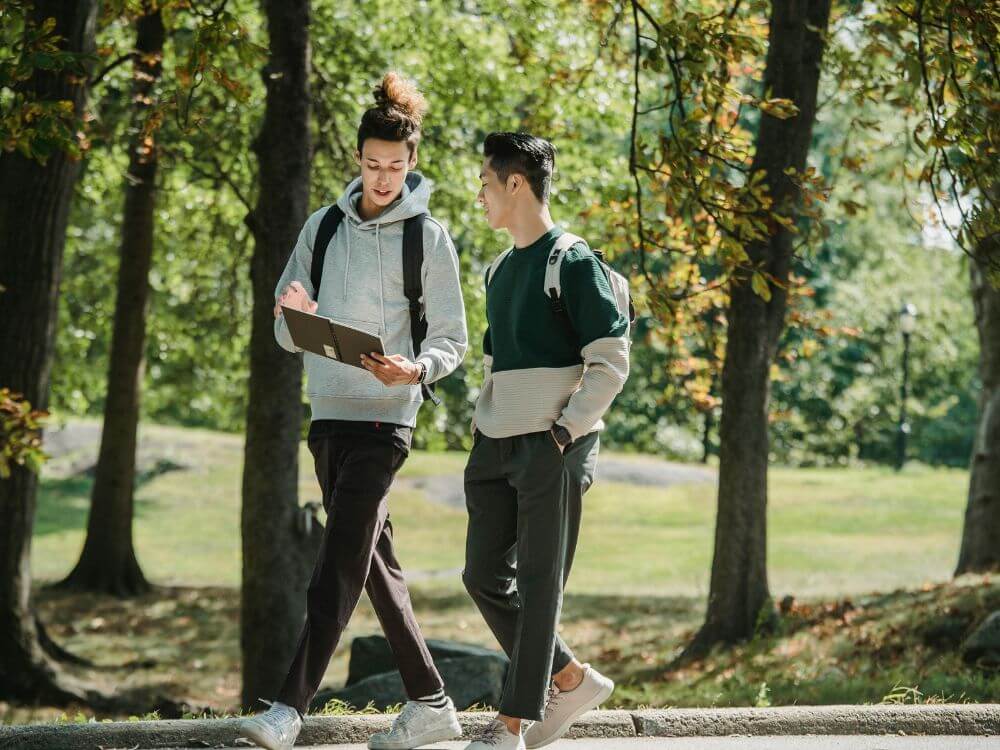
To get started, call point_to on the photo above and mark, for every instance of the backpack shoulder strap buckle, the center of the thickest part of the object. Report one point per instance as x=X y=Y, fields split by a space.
x=564 y=242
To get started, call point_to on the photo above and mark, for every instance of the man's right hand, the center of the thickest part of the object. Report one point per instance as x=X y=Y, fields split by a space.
x=296 y=297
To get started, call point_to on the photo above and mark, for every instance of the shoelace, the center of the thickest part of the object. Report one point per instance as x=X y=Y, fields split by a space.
x=405 y=716
x=553 y=699
x=273 y=720
x=493 y=733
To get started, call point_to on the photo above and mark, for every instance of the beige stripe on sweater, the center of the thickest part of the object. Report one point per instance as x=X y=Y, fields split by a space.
x=515 y=402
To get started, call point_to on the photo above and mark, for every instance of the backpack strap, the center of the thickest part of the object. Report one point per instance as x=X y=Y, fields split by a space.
x=492 y=269
x=328 y=227
x=413 y=262
x=553 y=287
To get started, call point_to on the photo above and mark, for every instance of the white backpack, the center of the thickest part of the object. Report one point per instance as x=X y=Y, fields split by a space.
x=553 y=288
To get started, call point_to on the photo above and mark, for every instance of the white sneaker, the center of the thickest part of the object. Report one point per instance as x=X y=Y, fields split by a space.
x=275 y=729
x=418 y=724
x=496 y=736
x=563 y=707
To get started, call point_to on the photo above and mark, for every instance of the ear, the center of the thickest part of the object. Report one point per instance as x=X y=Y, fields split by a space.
x=413 y=159
x=357 y=157
x=514 y=183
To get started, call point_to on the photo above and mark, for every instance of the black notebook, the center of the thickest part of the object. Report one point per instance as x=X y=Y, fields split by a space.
x=328 y=338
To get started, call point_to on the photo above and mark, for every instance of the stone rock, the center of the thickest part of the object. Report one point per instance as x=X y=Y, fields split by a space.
x=945 y=633
x=371 y=655
x=983 y=645
x=468 y=680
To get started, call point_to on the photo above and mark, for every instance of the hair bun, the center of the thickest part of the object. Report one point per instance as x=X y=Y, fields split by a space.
x=395 y=92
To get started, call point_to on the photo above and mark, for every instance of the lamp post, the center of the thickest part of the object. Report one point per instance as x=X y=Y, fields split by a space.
x=907 y=324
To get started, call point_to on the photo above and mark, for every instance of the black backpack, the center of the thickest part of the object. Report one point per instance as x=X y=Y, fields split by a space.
x=413 y=260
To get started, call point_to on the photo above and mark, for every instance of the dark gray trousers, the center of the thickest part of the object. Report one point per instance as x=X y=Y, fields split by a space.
x=524 y=503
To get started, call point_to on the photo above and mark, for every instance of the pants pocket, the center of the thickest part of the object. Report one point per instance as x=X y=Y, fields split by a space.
x=551 y=440
x=398 y=458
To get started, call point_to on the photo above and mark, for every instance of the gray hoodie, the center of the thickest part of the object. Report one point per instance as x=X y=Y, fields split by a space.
x=363 y=286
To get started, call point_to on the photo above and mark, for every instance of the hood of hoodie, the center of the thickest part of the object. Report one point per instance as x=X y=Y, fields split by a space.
x=412 y=200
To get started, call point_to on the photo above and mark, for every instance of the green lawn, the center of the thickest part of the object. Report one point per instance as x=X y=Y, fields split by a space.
x=830 y=531
x=637 y=594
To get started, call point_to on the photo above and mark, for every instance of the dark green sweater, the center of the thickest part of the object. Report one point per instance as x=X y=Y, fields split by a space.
x=535 y=366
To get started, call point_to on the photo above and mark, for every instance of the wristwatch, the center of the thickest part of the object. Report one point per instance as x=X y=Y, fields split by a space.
x=423 y=372
x=562 y=436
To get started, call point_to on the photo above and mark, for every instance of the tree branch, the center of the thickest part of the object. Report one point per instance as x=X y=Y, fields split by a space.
x=123 y=59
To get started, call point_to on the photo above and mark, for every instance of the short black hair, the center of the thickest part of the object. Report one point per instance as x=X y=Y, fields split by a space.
x=525 y=154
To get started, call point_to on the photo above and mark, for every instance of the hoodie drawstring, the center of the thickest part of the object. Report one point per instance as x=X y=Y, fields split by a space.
x=347 y=271
x=381 y=288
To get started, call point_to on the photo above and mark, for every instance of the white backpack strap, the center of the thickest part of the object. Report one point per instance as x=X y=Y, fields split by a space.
x=496 y=264
x=554 y=264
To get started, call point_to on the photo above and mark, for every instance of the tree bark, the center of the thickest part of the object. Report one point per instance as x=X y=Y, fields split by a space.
x=706 y=435
x=277 y=557
x=108 y=563
x=980 y=551
x=739 y=597
x=34 y=211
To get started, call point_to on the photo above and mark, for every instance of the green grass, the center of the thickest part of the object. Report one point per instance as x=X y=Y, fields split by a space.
x=864 y=649
x=830 y=531
x=635 y=597
x=869 y=649
x=425 y=464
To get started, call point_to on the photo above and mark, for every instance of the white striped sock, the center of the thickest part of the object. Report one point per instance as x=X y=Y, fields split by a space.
x=436 y=700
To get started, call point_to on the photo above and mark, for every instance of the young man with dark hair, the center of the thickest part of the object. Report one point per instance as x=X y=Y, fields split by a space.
x=353 y=261
x=552 y=368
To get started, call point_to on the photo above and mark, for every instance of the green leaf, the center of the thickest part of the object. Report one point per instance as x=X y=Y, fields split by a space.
x=759 y=285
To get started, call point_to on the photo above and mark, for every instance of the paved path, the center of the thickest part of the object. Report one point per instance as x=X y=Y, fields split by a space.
x=76 y=443
x=868 y=727
x=646 y=471
x=750 y=743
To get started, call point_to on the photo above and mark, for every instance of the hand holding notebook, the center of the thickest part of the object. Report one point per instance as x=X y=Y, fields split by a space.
x=330 y=338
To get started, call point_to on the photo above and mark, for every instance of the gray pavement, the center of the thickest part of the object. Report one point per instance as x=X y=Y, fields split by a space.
x=880 y=727
x=750 y=743
x=798 y=742
x=448 y=489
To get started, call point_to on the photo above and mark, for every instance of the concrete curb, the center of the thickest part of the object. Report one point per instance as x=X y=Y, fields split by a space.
x=958 y=719
x=936 y=719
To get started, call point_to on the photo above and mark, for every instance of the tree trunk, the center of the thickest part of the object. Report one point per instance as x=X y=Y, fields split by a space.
x=34 y=211
x=706 y=435
x=981 y=535
x=713 y=384
x=277 y=558
x=108 y=563
x=739 y=597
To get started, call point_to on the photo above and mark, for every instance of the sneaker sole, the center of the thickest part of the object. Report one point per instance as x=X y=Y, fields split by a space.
x=590 y=705
x=250 y=732
x=451 y=732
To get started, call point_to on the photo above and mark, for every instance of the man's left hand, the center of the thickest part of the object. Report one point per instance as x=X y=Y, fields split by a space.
x=392 y=370
x=561 y=437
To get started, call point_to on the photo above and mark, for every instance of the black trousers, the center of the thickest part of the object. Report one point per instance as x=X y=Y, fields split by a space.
x=524 y=499
x=355 y=465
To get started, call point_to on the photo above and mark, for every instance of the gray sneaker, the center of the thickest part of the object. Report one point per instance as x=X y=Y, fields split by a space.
x=496 y=736
x=418 y=724
x=563 y=707
x=275 y=729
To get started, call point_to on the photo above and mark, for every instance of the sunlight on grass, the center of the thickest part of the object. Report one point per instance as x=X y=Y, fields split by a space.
x=830 y=531
x=635 y=596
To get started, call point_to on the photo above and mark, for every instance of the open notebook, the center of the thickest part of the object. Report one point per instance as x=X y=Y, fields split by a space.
x=328 y=338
